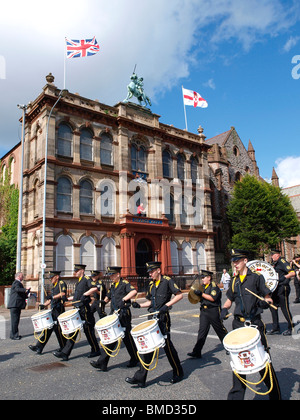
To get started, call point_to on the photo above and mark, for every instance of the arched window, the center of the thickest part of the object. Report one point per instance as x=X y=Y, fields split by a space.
x=180 y=166
x=107 y=200
x=194 y=169
x=169 y=207
x=167 y=164
x=86 y=144
x=64 y=255
x=88 y=252
x=138 y=158
x=86 y=197
x=187 y=258
x=109 y=255
x=201 y=257
x=64 y=140
x=183 y=208
x=64 y=195
x=174 y=257
x=106 y=148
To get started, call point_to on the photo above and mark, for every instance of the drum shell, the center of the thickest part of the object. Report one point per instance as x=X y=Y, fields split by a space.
x=70 y=321
x=109 y=329
x=42 y=320
x=147 y=336
x=247 y=353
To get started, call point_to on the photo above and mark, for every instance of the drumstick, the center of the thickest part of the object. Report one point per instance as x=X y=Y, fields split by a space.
x=152 y=313
x=264 y=300
x=72 y=303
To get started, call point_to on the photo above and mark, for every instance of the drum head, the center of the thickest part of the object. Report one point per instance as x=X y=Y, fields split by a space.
x=144 y=325
x=67 y=314
x=240 y=336
x=267 y=270
x=106 y=320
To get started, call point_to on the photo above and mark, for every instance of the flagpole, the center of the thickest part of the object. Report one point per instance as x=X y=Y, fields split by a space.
x=186 y=127
x=65 y=53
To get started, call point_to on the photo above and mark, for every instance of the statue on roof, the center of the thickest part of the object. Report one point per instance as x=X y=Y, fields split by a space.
x=136 y=88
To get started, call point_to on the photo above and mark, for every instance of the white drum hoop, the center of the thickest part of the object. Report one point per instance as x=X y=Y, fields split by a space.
x=267 y=270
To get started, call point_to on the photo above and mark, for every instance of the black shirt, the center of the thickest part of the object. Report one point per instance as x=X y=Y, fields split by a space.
x=282 y=267
x=161 y=292
x=116 y=293
x=214 y=291
x=57 y=288
x=247 y=305
x=84 y=284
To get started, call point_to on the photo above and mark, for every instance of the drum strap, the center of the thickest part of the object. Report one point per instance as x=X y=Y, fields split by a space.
x=246 y=315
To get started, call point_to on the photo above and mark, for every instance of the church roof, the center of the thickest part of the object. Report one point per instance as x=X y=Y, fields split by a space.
x=220 y=139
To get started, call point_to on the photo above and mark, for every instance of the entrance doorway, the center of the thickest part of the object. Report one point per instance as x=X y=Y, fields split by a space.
x=144 y=253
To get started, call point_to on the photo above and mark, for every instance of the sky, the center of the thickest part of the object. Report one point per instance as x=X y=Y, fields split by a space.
x=242 y=56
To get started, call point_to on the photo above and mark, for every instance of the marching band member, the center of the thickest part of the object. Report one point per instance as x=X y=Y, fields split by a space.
x=119 y=295
x=56 y=300
x=159 y=298
x=84 y=288
x=248 y=308
x=281 y=294
x=209 y=312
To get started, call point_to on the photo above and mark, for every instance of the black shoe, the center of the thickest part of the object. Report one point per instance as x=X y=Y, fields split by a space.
x=273 y=332
x=133 y=381
x=287 y=332
x=132 y=363
x=60 y=355
x=33 y=348
x=176 y=379
x=195 y=355
x=98 y=366
x=16 y=338
x=296 y=301
x=94 y=354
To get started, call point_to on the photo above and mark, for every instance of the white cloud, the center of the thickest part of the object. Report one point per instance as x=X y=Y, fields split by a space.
x=288 y=171
x=210 y=83
x=291 y=43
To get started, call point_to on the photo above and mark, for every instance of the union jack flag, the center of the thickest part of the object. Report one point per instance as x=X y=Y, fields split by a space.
x=81 y=48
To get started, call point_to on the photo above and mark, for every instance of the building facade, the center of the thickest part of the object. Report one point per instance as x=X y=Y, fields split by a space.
x=102 y=163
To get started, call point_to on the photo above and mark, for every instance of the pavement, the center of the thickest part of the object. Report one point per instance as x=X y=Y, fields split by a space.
x=28 y=376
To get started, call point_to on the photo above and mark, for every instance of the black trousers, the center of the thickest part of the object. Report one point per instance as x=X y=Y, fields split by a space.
x=164 y=323
x=15 y=314
x=209 y=317
x=281 y=299
x=238 y=389
x=89 y=331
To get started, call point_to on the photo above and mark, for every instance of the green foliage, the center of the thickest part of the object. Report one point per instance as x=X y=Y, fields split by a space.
x=9 y=202
x=261 y=216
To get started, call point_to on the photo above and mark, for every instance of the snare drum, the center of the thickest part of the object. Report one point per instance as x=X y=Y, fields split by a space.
x=147 y=336
x=246 y=350
x=109 y=329
x=42 y=320
x=70 y=321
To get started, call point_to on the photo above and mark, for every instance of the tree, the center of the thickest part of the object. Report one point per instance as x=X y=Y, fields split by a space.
x=9 y=202
x=261 y=216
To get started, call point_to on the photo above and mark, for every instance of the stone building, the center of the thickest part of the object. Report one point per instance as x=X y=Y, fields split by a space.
x=229 y=161
x=102 y=163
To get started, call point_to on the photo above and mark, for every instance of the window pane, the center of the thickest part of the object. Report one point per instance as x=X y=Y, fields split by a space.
x=86 y=198
x=64 y=140
x=180 y=167
x=134 y=158
x=106 y=150
x=64 y=195
x=86 y=145
x=167 y=164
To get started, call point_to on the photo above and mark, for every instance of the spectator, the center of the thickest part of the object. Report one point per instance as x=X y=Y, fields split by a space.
x=17 y=302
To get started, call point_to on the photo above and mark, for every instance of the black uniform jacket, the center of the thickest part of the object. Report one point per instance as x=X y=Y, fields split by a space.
x=18 y=296
x=247 y=305
x=282 y=267
x=84 y=284
x=161 y=292
x=57 y=288
x=214 y=291
x=117 y=292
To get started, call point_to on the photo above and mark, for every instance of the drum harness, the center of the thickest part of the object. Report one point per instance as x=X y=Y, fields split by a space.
x=247 y=323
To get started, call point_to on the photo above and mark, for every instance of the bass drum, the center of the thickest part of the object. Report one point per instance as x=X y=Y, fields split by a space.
x=267 y=270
